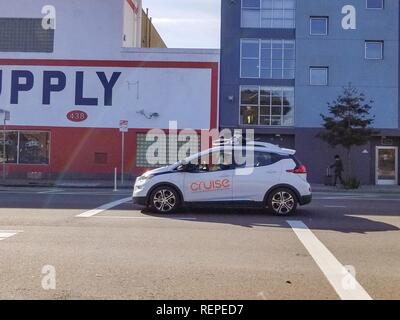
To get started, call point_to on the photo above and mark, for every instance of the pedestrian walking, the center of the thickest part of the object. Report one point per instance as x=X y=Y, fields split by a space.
x=338 y=166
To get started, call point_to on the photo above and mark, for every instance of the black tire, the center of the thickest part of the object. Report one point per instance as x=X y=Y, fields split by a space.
x=164 y=200
x=282 y=202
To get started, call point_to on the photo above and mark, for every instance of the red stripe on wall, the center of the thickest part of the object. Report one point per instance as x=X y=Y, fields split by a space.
x=108 y=63
x=133 y=6
x=72 y=151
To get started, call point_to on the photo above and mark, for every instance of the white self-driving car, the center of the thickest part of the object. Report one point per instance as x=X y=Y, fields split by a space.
x=271 y=178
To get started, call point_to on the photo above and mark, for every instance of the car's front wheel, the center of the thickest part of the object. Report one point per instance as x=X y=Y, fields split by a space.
x=164 y=200
x=282 y=202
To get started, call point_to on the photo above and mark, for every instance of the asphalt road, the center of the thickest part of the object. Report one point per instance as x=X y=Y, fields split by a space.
x=340 y=246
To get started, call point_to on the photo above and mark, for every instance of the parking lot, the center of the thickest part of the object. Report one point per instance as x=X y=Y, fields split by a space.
x=101 y=247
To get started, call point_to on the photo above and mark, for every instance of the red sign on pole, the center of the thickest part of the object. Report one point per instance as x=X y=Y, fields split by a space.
x=123 y=125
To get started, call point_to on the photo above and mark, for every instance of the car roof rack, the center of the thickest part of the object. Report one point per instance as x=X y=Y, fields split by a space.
x=238 y=140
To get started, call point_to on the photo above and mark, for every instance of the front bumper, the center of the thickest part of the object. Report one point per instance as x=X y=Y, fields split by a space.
x=141 y=201
x=305 y=200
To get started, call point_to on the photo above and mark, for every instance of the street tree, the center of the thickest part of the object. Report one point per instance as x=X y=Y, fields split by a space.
x=349 y=122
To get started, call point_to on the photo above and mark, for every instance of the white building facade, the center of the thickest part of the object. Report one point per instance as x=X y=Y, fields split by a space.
x=71 y=72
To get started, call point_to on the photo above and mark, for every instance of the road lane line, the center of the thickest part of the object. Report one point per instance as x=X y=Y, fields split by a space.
x=333 y=270
x=5 y=234
x=104 y=207
x=146 y=218
x=51 y=191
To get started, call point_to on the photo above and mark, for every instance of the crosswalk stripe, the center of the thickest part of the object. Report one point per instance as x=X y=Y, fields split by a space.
x=5 y=234
x=107 y=206
x=333 y=270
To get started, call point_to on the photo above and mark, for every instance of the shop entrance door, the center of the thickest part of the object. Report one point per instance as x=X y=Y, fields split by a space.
x=387 y=166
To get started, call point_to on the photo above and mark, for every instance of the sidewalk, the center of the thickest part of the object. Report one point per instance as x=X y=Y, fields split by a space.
x=363 y=189
x=106 y=184
x=109 y=184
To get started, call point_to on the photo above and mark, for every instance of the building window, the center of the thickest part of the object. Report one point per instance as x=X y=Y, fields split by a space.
x=319 y=76
x=268 y=59
x=250 y=52
x=191 y=142
x=375 y=4
x=11 y=142
x=25 y=35
x=26 y=147
x=33 y=147
x=267 y=106
x=319 y=26
x=268 y=14
x=374 y=50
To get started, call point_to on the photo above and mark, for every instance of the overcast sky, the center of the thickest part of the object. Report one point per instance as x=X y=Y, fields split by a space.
x=187 y=23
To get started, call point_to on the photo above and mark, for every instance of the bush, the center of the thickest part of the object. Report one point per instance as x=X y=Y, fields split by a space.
x=352 y=183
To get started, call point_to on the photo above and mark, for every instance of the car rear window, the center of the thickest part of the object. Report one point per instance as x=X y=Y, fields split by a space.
x=296 y=160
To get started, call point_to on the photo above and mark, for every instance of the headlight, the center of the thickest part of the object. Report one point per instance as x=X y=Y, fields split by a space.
x=143 y=179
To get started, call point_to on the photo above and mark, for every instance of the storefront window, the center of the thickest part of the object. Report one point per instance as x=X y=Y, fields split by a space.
x=11 y=143
x=267 y=106
x=34 y=148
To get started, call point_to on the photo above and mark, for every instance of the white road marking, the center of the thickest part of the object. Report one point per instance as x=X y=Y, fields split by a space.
x=145 y=218
x=104 y=207
x=51 y=191
x=333 y=270
x=5 y=234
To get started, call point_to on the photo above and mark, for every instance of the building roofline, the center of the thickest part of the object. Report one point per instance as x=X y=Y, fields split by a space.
x=171 y=50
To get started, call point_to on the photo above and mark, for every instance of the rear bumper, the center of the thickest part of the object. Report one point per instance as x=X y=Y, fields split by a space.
x=141 y=201
x=305 y=200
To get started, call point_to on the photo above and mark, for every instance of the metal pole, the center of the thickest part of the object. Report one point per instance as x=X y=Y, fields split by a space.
x=4 y=148
x=122 y=158
x=115 y=179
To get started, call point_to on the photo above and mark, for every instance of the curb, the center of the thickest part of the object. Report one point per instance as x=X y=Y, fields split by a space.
x=64 y=186
x=359 y=191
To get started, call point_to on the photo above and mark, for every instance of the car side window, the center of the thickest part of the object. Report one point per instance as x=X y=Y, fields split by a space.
x=261 y=159
x=214 y=162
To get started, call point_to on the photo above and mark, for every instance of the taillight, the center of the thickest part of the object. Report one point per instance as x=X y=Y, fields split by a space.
x=298 y=170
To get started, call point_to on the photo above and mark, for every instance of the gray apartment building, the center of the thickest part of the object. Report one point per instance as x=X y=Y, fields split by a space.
x=282 y=61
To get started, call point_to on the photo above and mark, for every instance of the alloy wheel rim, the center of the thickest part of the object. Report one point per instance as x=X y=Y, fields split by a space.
x=164 y=200
x=282 y=202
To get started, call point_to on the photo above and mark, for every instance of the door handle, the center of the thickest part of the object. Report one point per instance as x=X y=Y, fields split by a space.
x=272 y=172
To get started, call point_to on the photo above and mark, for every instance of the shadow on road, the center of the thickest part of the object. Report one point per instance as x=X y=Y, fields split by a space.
x=359 y=219
x=314 y=218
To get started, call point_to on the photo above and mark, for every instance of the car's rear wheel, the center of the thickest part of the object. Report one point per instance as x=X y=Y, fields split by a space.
x=282 y=202
x=164 y=200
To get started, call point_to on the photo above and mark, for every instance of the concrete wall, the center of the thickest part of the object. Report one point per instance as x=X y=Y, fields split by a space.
x=85 y=29
x=132 y=23
x=177 y=84
x=343 y=52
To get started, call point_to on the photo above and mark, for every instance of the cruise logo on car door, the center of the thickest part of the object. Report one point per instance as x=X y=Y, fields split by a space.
x=208 y=186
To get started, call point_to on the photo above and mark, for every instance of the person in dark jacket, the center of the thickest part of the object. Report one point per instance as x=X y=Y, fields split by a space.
x=338 y=165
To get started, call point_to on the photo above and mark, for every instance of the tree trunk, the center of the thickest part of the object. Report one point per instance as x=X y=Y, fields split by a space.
x=349 y=166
